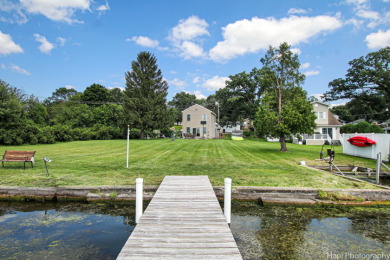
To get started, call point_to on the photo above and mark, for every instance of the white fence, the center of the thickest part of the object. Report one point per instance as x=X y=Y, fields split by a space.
x=382 y=146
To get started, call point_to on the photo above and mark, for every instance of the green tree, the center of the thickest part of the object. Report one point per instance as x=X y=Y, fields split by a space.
x=367 y=77
x=180 y=102
x=240 y=98
x=116 y=95
x=343 y=113
x=35 y=110
x=96 y=94
x=146 y=92
x=11 y=107
x=61 y=94
x=285 y=108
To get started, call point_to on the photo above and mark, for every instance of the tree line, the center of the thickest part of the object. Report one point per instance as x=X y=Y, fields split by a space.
x=271 y=97
x=97 y=113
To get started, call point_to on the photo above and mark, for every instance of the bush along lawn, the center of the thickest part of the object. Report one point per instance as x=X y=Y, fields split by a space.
x=248 y=163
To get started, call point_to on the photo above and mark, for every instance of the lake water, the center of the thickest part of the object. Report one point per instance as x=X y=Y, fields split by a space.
x=98 y=231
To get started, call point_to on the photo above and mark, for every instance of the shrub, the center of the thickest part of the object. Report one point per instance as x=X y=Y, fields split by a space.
x=81 y=134
x=62 y=133
x=46 y=136
x=248 y=134
x=135 y=133
x=227 y=136
x=361 y=127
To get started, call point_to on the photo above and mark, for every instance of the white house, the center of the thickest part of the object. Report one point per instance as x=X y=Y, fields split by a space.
x=328 y=127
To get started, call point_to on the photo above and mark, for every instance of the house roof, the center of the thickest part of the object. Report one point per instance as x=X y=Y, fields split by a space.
x=200 y=107
x=332 y=120
x=321 y=103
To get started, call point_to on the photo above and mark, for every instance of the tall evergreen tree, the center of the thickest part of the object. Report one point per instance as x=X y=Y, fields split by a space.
x=146 y=92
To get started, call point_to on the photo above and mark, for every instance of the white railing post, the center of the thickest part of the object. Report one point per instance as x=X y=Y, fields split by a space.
x=127 y=148
x=138 y=199
x=378 y=166
x=228 y=199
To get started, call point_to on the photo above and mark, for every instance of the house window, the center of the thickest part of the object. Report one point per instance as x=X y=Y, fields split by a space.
x=321 y=115
x=188 y=117
x=204 y=130
x=188 y=130
x=328 y=131
x=204 y=117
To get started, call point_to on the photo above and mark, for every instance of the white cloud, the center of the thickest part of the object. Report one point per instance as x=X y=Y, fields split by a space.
x=378 y=40
x=118 y=87
x=363 y=10
x=190 y=50
x=69 y=87
x=357 y=24
x=296 y=51
x=45 y=46
x=178 y=83
x=198 y=94
x=250 y=36
x=185 y=37
x=144 y=41
x=17 y=17
x=56 y=10
x=305 y=66
x=18 y=69
x=296 y=11
x=61 y=41
x=311 y=73
x=188 y=29
x=7 y=45
x=196 y=80
x=3 y=66
x=103 y=8
x=357 y=2
x=215 y=83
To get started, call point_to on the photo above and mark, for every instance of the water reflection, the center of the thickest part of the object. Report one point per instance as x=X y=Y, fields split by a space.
x=310 y=233
x=98 y=231
x=63 y=230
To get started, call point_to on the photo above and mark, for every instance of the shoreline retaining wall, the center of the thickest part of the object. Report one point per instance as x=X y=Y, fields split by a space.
x=268 y=195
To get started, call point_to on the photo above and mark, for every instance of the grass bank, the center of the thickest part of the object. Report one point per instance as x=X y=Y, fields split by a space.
x=248 y=163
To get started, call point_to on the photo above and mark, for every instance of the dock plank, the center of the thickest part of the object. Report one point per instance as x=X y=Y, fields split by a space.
x=183 y=221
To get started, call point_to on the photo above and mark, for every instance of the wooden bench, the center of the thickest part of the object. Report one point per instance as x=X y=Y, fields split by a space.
x=19 y=156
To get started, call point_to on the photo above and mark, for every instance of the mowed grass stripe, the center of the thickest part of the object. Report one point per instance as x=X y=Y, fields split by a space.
x=249 y=163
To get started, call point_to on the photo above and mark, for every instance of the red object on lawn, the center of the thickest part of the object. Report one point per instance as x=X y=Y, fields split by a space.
x=361 y=141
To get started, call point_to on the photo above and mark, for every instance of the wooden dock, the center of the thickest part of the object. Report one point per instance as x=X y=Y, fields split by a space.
x=183 y=221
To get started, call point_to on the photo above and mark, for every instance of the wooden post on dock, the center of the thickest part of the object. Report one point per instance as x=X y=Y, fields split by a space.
x=228 y=199
x=138 y=199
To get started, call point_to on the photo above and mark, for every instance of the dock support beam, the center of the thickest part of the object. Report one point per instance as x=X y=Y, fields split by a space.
x=138 y=199
x=378 y=167
x=228 y=199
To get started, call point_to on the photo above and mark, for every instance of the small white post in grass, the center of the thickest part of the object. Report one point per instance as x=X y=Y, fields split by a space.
x=128 y=140
x=378 y=166
x=228 y=199
x=138 y=198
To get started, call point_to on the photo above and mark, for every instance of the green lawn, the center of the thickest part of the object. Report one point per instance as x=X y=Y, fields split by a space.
x=248 y=163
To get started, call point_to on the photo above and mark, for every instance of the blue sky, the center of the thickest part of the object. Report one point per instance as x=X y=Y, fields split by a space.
x=45 y=45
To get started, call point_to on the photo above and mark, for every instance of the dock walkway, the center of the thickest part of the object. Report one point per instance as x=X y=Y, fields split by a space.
x=183 y=221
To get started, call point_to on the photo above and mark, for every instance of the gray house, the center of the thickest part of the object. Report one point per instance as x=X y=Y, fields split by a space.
x=199 y=122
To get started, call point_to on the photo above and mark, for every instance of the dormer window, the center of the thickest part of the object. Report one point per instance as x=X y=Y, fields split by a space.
x=321 y=115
